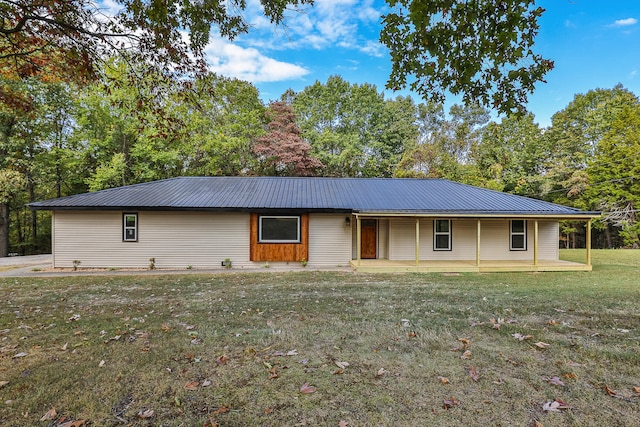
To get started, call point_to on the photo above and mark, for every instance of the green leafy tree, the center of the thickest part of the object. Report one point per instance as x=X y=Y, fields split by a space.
x=35 y=144
x=510 y=155
x=574 y=136
x=614 y=175
x=481 y=49
x=445 y=144
x=11 y=182
x=353 y=130
x=222 y=116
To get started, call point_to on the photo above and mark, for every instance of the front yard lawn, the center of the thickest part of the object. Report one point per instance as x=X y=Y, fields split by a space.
x=325 y=348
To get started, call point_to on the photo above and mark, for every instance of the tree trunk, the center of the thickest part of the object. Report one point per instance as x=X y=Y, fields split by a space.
x=4 y=229
x=34 y=219
x=607 y=236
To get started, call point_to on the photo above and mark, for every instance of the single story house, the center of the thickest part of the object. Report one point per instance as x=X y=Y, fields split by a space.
x=371 y=224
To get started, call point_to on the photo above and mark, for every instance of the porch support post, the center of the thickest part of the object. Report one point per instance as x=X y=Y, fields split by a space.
x=478 y=243
x=417 y=242
x=535 y=242
x=588 y=242
x=358 y=240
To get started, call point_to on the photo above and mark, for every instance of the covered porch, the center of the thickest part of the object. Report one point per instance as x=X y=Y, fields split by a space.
x=481 y=262
x=389 y=266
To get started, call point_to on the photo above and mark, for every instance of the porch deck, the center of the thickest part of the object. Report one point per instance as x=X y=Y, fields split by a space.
x=465 y=266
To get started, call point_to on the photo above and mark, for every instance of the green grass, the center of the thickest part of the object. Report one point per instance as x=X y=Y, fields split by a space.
x=104 y=349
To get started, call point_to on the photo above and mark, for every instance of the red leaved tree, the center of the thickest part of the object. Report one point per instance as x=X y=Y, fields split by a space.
x=282 y=151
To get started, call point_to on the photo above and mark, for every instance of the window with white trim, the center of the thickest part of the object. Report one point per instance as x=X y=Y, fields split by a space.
x=442 y=235
x=130 y=227
x=279 y=229
x=518 y=235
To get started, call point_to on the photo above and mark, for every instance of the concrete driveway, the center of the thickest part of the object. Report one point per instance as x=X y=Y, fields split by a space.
x=14 y=266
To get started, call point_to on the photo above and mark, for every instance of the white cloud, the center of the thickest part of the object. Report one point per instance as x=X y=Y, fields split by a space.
x=328 y=23
x=625 y=22
x=249 y=64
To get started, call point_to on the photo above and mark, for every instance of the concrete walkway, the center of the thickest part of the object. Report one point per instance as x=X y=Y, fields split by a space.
x=40 y=266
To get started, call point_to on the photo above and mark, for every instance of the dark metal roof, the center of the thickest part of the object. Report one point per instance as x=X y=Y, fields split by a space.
x=364 y=195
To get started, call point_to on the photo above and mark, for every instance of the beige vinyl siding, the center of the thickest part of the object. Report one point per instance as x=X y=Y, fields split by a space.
x=174 y=239
x=494 y=240
x=383 y=239
x=402 y=238
x=548 y=234
x=329 y=240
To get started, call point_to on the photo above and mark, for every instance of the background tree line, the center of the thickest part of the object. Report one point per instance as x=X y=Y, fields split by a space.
x=114 y=131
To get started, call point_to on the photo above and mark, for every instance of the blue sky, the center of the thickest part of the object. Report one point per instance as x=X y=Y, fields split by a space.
x=595 y=44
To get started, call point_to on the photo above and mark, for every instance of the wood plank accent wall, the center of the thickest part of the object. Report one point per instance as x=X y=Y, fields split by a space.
x=293 y=252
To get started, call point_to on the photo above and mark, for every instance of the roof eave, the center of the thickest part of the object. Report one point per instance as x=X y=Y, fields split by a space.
x=479 y=214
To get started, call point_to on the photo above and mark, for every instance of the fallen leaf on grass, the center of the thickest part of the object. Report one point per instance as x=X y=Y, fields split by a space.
x=536 y=424
x=521 y=337
x=50 y=415
x=191 y=385
x=475 y=375
x=541 y=344
x=101 y=364
x=380 y=372
x=338 y=372
x=554 y=381
x=450 y=402
x=443 y=380
x=206 y=383
x=496 y=324
x=306 y=388
x=222 y=360
x=636 y=390
x=3 y=383
x=19 y=355
x=273 y=373
x=221 y=410
x=341 y=365
x=343 y=423
x=147 y=413
x=466 y=355
x=612 y=392
x=555 y=406
x=465 y=342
